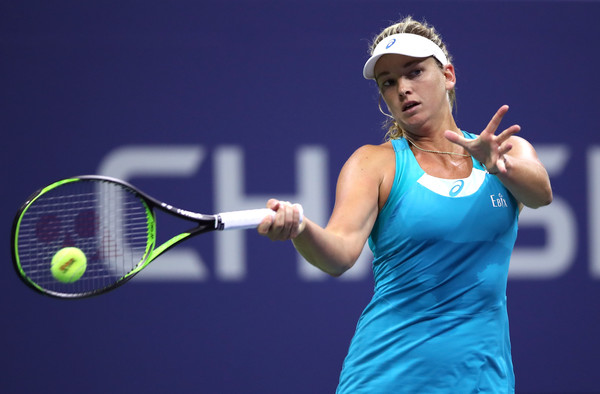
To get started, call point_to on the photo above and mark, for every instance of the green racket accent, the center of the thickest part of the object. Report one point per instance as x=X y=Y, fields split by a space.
x=110 y=222
x=162 y=248
x=150 y=253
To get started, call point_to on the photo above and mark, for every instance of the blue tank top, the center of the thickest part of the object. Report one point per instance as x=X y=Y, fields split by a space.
x=437 y=322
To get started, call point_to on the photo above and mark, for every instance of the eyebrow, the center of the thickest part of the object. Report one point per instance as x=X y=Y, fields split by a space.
x=406 y=65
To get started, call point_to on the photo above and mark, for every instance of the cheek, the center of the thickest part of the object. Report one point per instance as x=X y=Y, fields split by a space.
x=388 y=99
x=438 y=88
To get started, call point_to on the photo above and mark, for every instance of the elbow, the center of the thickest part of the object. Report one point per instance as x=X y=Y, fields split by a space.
x=339 y=269
x=543 y=200
x=547 y=197
x=346 y=262
x=330 y=266
x=335 y=274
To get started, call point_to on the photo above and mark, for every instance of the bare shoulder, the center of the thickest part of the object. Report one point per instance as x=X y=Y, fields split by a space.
x=371 y=169
x=369 y=156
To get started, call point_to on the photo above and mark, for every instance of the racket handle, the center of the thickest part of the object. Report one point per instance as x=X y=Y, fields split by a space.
x=251 y=218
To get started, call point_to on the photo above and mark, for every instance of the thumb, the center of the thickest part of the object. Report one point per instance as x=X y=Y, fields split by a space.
x=453 y=137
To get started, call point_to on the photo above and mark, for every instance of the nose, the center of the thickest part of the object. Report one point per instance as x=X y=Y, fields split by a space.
x=403 y=87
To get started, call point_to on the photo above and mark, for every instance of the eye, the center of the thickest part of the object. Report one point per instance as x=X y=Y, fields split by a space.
x=386 y=83
x=415 y=72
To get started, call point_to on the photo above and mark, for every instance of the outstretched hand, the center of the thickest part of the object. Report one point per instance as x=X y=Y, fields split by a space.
x=489 y=148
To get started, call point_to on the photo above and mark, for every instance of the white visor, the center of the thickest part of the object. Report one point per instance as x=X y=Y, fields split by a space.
x=403 y=44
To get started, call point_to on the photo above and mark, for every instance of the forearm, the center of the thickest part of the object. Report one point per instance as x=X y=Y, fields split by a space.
x=335 y=248
x=326 y=250
x=527 y=180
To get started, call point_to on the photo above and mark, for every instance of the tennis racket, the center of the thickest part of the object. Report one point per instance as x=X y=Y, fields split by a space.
x=111 y=222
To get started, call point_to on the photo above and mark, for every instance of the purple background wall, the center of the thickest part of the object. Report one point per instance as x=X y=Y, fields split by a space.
x=272 y=92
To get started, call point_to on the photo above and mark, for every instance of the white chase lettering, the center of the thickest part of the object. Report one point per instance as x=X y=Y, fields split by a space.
x=543 y=262
x=185 y=263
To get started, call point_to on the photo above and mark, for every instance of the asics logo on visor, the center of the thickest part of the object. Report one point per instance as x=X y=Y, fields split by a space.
x=392 y=41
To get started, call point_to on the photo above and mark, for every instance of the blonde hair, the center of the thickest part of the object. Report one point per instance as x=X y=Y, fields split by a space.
x=409 y=25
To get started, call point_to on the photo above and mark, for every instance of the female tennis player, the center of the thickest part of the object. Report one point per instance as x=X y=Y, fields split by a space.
x=439 y=208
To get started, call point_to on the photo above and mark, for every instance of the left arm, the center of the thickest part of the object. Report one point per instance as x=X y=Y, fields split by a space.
x=524 y=175
x=512 y=159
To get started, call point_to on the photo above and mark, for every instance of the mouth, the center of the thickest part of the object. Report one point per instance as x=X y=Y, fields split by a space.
x=409 y=105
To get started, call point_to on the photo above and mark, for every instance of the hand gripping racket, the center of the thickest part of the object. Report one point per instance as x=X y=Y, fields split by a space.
x=111 y=222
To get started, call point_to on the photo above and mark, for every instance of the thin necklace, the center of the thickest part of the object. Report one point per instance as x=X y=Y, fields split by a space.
x=434 y=151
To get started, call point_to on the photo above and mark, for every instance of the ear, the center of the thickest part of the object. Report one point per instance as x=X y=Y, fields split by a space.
x=450 y=75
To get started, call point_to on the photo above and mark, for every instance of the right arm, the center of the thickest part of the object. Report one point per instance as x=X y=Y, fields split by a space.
x=335 y=248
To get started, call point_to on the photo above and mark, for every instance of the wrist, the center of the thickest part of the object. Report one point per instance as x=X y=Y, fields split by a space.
x=490 y=170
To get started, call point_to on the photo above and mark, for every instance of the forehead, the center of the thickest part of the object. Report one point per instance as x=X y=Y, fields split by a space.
x=392 y=61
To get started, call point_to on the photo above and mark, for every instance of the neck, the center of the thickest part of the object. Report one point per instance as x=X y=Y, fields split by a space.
x=432 y=136
x=433 y=140
x=441 y=152
x=436 y=123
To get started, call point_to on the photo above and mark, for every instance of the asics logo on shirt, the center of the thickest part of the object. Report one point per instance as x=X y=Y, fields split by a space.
x=458 y=186
x=454 y=188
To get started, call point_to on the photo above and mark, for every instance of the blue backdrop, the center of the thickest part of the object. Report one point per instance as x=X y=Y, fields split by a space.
x=218 y=105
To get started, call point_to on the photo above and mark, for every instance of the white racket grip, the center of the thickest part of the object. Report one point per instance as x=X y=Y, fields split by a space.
x=251 y=218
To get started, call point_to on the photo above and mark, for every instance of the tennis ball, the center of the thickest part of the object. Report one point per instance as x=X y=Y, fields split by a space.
x=68 y=264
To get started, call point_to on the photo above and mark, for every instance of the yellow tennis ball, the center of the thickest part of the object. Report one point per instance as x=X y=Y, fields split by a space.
x=68 y=264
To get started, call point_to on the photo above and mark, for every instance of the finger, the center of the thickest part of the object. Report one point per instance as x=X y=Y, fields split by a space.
x=300 y=210
x=273 y=204
x=282 y=223
x=298 y=222
x=264 y=226
x=285 y=224
x=506 y=134
x=279 y=218
x=501 y=165
x=504 y=149
x=291 y=219
x=455 y=138
x=496 y=119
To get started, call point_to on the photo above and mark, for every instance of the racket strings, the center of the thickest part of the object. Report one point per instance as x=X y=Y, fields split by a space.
x=109 y=223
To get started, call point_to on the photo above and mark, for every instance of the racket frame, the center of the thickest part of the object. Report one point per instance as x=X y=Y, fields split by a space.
x=204 y=223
